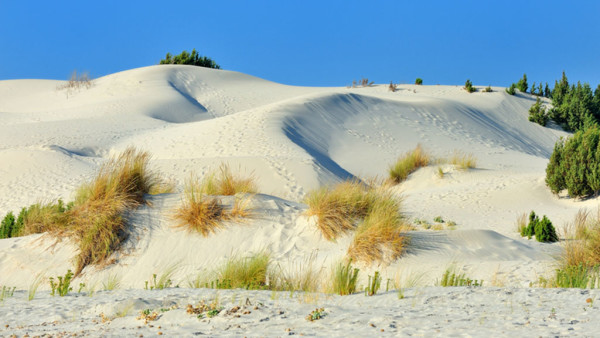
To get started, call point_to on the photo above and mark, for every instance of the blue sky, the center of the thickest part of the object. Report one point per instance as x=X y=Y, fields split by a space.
x=312 y=43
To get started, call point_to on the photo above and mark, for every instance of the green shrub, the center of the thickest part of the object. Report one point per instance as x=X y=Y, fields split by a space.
x=543 y=230
x=193 y=59
x=522 y=84
x=573 y=276
x=575 y=164
x=419 y=81
x=469 y=86
x=538 y=114
x=488 y=89
x=7 y=226
x=512 y=89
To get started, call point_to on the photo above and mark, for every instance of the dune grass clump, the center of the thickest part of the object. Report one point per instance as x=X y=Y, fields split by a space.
x=344 y=279
x=453 y=278
x=224 y=182
x=249 y=273
x=97 y=217
x=338 y=208
x=409 y=163
x=463 y=160
x=380 y=237
x=201 y=212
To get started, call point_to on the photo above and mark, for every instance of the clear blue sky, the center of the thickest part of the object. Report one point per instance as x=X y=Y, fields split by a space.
x=313 y=43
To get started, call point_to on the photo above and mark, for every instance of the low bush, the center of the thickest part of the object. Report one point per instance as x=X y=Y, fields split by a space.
x=469 y=86
x=193 y=59
x=512 y=90
x=488 y=89
x=543 y=230
x=538 y=113
x=392 y=87
x=419 y=81
x=409 y=163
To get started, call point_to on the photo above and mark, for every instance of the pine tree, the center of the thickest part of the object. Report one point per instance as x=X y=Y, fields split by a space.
x=522 y=84
x=547 y=92
x=533 y=88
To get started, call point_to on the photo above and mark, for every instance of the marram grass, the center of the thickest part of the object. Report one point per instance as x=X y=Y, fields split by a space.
x=409 y=163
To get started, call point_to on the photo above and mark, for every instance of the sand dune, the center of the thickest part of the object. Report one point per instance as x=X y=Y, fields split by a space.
x=293 y=139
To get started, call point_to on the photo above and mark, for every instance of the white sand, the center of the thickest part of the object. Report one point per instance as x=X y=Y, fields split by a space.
x=293 y=139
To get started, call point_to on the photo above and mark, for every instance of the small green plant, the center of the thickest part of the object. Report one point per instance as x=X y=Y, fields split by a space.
x=344 y=279
x=419 y=81
x=6 y=292
x=374 y=284
x=440 y=172
x=244 y=272
x=469 y=86
x=316 y=314
x=452 y=278
x=488 y=89
x=512 y=90
x=63 y=286
x=573 y=276
x=212 y=313
x=438 y=219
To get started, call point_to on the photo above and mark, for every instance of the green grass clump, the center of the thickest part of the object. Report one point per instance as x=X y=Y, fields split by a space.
x=374 y=284
x=6 y=292
x=573 y=276
x=344 y=279
x=453 y=278
x=408 y=163
x=246 y=273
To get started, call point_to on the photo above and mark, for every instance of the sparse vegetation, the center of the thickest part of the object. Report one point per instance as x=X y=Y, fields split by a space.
x=193 y=59
x=76 y=82
x=6 y=292
x=165 y=280
x=316 y=314
x=392 y=87
x=488 y=89
x=522 y=84
x=408 y=163
x=419 y=81
x=224 y=182
x=453 y=278
x=463 y=160
x=344 y=278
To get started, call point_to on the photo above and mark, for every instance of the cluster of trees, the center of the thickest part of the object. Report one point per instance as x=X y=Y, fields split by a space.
x=11 y=226
x=574 y=107
x=522 y=85
x=575 y=164
x=193 y=59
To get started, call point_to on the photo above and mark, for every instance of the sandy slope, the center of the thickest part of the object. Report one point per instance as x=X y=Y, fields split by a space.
x=293 y=139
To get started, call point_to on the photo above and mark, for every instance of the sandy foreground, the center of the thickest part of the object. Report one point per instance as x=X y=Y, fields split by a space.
x=293 y=140
x=426 y=311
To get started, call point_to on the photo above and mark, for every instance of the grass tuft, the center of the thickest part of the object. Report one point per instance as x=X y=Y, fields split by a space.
x=344 y=278
x=247 y=272
x=224 y=182
x=409 y=163
x=463 y=160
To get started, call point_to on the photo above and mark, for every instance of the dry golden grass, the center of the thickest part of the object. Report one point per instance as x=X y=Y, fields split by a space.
x=338 y=208
x=522 y=222
x=96 y=219
x=408 y=163
x=380 y=237
x=206 y=214
x=463 y=160
x=583 y=246
x=224 y=182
